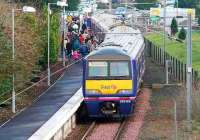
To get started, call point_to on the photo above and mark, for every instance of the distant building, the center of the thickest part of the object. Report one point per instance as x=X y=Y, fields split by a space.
x=157 y=14
x=169 y=3
x=172 y=12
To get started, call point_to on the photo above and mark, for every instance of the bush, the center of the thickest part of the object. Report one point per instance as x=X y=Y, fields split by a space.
x=42 y=41
x=5 y=63
x=182 y=34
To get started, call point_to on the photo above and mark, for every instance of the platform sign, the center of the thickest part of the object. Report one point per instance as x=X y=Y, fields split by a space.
x=155 y=12
x=191 y=12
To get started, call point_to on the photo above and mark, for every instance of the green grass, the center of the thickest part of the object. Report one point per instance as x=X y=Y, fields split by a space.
x=177 y=49
x=196 y=127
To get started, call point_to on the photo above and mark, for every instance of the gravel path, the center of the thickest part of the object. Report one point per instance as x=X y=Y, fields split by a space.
x=135 y=122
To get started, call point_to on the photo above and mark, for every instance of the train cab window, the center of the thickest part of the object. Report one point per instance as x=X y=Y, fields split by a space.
x=119 y=69
x=98 y=69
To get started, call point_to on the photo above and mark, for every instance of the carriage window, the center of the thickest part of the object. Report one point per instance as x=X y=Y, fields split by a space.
x=119 y=69
x=98 y=69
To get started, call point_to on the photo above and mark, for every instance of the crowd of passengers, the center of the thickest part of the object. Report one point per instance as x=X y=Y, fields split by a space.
x=79 y=40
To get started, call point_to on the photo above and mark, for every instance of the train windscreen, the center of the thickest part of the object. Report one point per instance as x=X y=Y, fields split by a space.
x=119 y=69
x=109 y=70
x=98 y=69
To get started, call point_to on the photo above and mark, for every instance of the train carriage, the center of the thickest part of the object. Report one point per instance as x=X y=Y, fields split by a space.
x=112 y=74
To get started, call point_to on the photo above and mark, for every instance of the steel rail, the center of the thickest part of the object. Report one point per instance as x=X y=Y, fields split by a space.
x=89 y=130
x=119 y=132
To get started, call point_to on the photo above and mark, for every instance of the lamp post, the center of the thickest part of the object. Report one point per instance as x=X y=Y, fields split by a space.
x=177 y=8
x=62 y=4
x=25 y=9
x=189 y=73
x=164 y=34
x=63 y=37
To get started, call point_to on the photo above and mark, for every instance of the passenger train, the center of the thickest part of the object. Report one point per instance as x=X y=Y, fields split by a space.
x=112 y=74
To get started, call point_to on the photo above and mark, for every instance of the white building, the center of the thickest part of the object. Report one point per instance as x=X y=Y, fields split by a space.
x=169 y=3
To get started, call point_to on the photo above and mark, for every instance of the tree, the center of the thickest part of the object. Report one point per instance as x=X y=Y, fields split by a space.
x=146 y=6
x=190 y=4
x=174 y=27
x=73 y=4
x=199 y=20
x=182 y=34
x=54 y=37
x=187 y=3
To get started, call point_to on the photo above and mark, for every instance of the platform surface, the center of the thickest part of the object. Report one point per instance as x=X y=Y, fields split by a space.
x=31 y=119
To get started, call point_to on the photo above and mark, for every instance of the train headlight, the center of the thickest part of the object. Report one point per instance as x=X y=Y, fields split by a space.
x=125 y=91
x=92 y=91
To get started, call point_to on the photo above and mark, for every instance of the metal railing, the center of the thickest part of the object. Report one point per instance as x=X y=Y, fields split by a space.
x=41 y=86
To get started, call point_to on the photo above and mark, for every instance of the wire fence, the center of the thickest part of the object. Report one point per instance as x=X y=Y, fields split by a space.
x=177 y=69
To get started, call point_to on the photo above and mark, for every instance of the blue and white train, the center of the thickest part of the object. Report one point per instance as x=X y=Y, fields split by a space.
x=113 y=73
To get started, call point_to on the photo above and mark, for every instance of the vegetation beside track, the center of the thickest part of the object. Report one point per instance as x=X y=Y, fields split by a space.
x=30 y=42
x=178 y=49
x=30 y=51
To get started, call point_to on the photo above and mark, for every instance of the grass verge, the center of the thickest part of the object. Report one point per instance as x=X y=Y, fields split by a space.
x=178 y=49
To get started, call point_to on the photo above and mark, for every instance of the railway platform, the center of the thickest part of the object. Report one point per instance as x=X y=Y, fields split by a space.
x=26 y=123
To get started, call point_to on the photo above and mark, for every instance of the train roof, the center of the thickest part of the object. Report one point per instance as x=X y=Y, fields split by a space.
x=127 y=38
x=110 y=52
x=105 y=20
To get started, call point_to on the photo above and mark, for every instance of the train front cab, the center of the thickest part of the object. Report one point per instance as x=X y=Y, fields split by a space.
x=109 y=96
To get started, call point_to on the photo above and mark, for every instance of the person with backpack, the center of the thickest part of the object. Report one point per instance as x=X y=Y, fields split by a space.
x=84 y=50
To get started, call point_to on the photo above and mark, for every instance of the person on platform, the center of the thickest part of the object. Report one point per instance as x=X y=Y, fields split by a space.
x=84 y=50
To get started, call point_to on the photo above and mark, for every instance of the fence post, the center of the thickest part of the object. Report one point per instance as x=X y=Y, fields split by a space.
x=196 y=75
x=179 y=71
x=156 y=53
x=192 y=74
x=166 y=56
x=176 y=69
x=185 y=72
x=171 y=70
x=173 y=67
x=150 y=49
x=159 y=51
x=161 y=56
x=182 y=72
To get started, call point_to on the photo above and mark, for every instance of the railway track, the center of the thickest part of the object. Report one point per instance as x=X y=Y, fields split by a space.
x=127 y=129
x=97 y=127
x=119 y=132
x=92 y=126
